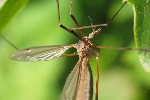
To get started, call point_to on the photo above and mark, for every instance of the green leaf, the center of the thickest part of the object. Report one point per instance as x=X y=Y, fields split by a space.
x=10 y=8
x=142 y=29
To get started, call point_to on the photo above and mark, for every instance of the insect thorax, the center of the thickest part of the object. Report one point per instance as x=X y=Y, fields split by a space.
x=84 y=50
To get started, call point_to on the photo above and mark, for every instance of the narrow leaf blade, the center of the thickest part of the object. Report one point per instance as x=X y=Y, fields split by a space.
x=9 y=9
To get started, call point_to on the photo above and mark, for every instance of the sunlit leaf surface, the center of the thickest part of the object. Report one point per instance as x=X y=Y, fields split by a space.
x=142 y=29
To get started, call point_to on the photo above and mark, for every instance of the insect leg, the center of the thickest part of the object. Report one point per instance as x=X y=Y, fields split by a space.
x=97 y=79
x=74 y=19
x=117 y=12
x=102 y=25
x=62 y=26
x=5 y=39
x=74 y=54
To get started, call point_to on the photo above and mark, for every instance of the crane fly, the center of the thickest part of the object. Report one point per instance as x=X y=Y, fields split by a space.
x=79 y=83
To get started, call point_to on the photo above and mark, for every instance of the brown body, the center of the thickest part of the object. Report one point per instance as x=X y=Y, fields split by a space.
x=79 y=83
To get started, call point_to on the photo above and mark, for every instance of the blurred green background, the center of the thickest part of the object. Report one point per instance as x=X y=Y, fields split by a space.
x=121 y=74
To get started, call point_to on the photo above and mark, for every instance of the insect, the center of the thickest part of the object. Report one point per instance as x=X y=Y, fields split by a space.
x=79 y=84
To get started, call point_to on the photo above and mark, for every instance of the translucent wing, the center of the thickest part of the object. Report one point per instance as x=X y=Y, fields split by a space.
x=70 y=85
x=78 y=85
x=42 y=53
